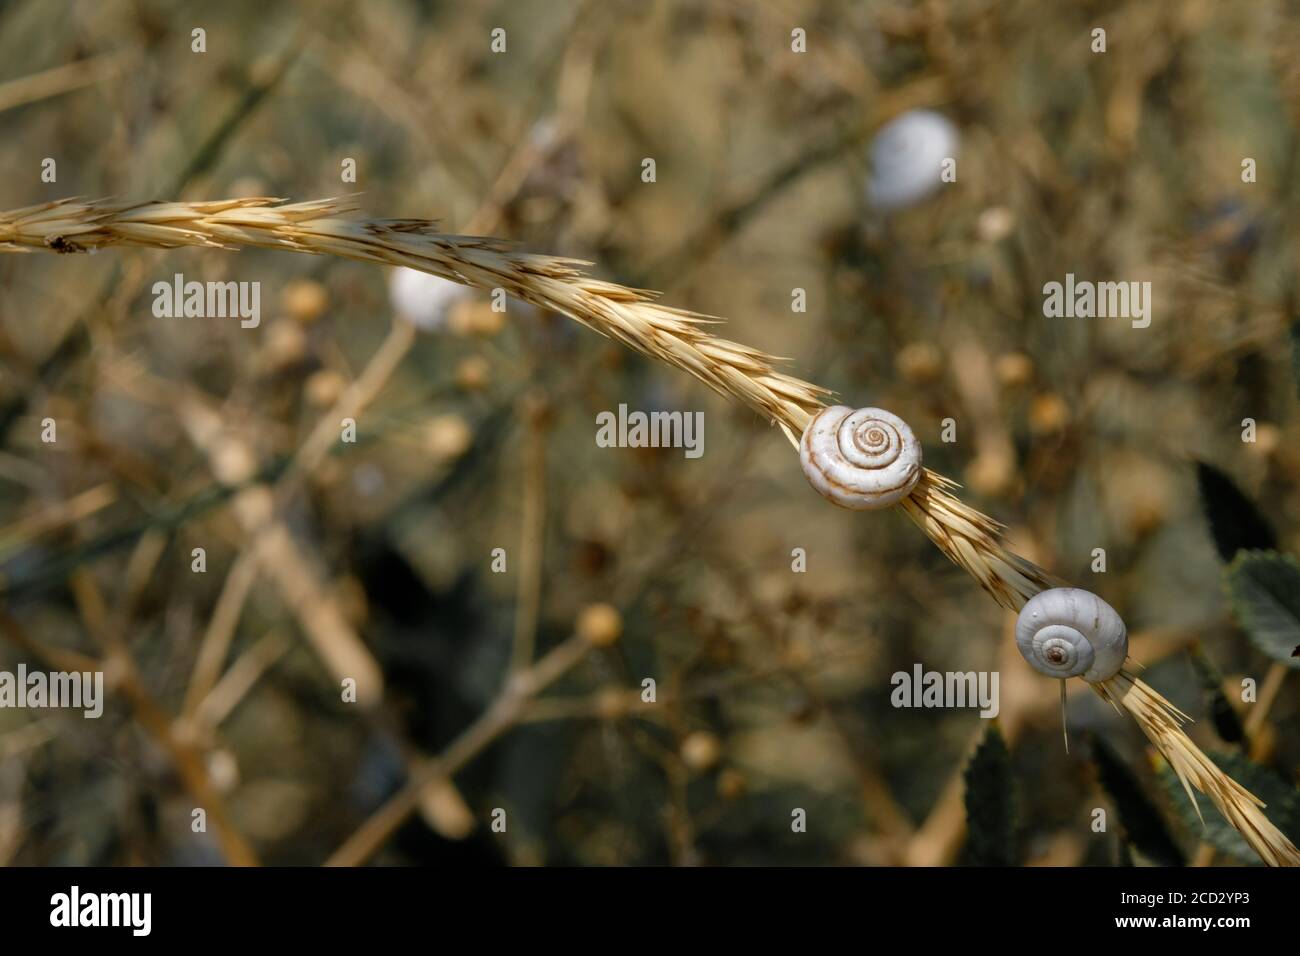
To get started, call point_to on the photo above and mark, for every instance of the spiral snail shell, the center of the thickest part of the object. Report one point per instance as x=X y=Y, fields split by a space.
x=1069 y=632
x=861 y=459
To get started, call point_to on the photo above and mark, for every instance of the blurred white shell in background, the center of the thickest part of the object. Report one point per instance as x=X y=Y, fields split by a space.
x=907 y=157
x=423 y=300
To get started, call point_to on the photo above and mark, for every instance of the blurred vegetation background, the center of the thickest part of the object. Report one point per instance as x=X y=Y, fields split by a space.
x=773 y=687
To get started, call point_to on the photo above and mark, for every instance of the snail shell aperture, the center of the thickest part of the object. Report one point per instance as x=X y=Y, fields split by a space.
x=1070 y=632
x=862 y=459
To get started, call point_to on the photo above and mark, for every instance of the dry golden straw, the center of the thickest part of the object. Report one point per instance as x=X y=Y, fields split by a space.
x=633 y=317
x=1161 y=721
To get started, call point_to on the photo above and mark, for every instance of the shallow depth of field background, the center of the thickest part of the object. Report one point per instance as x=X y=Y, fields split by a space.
x=773 y=687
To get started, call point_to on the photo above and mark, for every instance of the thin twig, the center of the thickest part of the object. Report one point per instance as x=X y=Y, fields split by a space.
x=1268 y=694
x=187 y=759
x=532 y=531
x=59 y=80
x=496 y=720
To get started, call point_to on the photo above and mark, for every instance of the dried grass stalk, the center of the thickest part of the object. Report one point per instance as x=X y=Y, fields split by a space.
x=631 y=316
x=1162 y=722
x=973 y=540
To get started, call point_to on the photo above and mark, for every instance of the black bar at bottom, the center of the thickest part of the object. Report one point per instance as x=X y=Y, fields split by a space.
x=552 y=905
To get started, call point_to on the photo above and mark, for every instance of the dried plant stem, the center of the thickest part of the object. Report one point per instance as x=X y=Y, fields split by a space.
x=532 y=532
x=632 y=317
x=973 y=541
x=1258 y=715
x=1162 y=722
x=185 y=757
x=500 y=716
x=220 y=632
x=57 y=515
x=278 y=555
x=59 y=80
x=356 y=396
x=241 y=677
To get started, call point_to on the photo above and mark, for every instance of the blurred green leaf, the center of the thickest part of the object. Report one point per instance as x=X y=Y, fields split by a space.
x=1143 y=824
x=1235 y=523
x=1227 y=722
x=1295 y=353
x=1264 y=588
x=990 y=804
x=1283 y=805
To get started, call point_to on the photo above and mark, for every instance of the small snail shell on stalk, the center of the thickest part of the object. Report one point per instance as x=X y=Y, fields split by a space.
x=1069 y=632
x=864 y=459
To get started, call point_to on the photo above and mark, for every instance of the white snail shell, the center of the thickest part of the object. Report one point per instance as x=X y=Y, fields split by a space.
x=863 y=459
x=422 y=299
x=1070 y=632
x=907 y=157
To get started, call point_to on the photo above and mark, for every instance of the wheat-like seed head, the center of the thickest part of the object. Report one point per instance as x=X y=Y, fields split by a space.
x=1162 y=722
x=633 y=317
x=973 y=540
